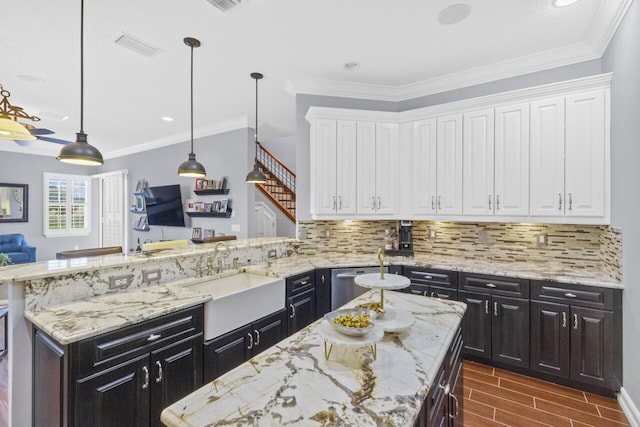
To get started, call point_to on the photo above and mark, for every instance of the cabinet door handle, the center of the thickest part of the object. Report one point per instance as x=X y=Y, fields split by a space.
x=322 y=278
x=559 y=201
x=495 y=308
x=490 y=285
x=486 y=306
x=456 y=406
x=146 y=377
x=416 y=292
x=439 y=202
x=570 y=200
x=498 y=202
x=153 y=337
x=339 y=203
x=433 y=294
x=333 y=206
x=489 y=200
x=570 y=295
x=293 y=311
x=373 y=203
x=159 y=365
x=379 y=202
x=575 y=321
x=433 y=203
x=424 y=294
x=564 y=319
x=250 y=346
x=257 y=336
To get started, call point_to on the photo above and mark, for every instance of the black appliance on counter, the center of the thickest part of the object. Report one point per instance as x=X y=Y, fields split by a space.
x=405 y=240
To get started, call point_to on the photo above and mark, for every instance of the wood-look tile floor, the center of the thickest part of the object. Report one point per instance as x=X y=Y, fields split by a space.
x=494 y=397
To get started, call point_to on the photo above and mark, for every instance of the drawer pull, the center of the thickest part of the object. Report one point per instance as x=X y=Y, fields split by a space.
x=570 y=295
x=575 y=322
x=293 y=311
x=257 y=336
x=250 y=346
x=446 y=388
x=146 y=377
x=159 y=365
x=416 y=292
x=564 y=319
x=456 y=406
x=153 y=337
x=424 y=294
x=490 y=285
x=495 y=308
x=486 y=306
x=304 y=282
x=433 y=294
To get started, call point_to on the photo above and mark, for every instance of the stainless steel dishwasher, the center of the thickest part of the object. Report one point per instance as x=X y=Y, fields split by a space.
x=343 y=288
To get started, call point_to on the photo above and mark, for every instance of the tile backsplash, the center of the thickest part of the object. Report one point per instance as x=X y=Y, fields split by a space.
x=574 y=246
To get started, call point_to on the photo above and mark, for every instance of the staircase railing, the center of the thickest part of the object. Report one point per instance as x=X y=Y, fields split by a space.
x=277 y=168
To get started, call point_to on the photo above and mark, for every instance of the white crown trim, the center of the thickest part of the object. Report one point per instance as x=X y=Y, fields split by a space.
x=201 y=132
x=608 y=19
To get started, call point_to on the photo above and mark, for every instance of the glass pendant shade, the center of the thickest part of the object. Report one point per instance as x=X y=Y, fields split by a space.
x=191 y=167
x=80 y=152
x=10 y=129
x=256 y=176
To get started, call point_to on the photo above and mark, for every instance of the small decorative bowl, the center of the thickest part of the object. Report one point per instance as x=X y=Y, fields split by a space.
x=349 y=330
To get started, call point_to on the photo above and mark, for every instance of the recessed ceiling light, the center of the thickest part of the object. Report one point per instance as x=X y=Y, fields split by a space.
x=454 y=14
x=563 y=3
x=167 y=119
x=30 y=78
x=350 y=66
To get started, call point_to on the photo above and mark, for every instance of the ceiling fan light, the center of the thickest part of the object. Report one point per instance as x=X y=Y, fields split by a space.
x=80 y=152
x=256 y=176
x=191 y=168
x=10 y=129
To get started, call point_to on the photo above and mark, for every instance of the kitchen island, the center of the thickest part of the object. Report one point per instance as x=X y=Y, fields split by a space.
x=294 y=384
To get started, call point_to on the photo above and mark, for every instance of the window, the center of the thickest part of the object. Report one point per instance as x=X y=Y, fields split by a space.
x=67 y=200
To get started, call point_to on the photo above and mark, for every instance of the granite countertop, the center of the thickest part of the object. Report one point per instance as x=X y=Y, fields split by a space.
x=292 y=383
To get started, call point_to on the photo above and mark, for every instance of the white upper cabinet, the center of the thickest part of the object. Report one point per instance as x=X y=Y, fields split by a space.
x=449 y=165
x=511 y=160
x=586 y=154
x=366 y=168
x=478 y=148
x=345 y=172
x=424 y=163
x=547 y=157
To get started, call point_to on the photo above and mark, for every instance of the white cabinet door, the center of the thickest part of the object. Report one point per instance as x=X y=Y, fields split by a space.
x=546 y=175
x=511 y=187
x=424 y=161
x=478 y=148
x=324 y=161
x=345 y=161
x=449 y=172
x=386 y=167
x=585 y=147
x=366 y=168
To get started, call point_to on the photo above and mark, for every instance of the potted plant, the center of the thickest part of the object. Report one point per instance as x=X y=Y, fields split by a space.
x=4 y=259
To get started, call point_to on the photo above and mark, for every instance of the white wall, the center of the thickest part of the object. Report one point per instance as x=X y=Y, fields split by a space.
x=623 y=59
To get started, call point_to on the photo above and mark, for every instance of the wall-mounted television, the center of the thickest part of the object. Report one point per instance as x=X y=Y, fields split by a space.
x=164 y=205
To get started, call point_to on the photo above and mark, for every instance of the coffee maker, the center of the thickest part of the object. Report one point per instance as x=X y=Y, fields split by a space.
x=404 y=243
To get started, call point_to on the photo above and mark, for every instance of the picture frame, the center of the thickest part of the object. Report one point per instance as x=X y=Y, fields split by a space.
x=14 y=202
x=199 y=206
x=208 y=232
x=224 y=204
x=139 y=203
x=216 y=206
x=190 y=205
x=200 y=184
x=208 y=207
x=196 y=233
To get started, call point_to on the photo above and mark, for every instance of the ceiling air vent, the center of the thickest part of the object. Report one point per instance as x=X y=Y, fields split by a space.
x=226 y=5
x=135 y=44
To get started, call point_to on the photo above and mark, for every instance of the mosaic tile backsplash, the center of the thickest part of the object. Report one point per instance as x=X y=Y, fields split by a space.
x=575 y=246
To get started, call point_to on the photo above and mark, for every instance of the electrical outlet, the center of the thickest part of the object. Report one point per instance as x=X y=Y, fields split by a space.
x=272 y=253
x=327 y=232
x=303 y=233
x=432 y=234
x=542 y=239
x=482 y=236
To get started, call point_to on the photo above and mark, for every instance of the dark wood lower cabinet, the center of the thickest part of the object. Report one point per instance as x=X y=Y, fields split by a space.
x=592 y=349
x=302 y=310
x=233 y=348
x=121 y=378
x=550 y=331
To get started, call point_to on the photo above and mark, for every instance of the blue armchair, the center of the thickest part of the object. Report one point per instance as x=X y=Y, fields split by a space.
x=17 y=248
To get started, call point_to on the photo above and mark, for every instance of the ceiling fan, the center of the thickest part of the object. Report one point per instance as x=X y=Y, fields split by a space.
x=12 y=112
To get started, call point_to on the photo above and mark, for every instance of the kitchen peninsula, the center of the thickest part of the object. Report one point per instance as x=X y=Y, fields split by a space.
x=294 y=384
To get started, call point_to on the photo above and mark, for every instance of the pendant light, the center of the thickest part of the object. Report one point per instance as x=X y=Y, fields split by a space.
x=191 y=168
x=81 y=152
x=9 y=127
x=256 y=176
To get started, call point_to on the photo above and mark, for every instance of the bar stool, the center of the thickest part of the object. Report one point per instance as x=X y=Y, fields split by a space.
x=4 y=322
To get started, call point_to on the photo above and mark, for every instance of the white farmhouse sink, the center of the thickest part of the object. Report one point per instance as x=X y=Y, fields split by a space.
x=238 y=300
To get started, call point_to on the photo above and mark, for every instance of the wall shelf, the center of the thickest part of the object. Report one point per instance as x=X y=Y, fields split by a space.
x=226 y=214
x=211 y=192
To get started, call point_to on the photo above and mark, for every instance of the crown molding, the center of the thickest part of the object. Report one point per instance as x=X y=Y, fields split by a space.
x=609 y=16
x=201 y=132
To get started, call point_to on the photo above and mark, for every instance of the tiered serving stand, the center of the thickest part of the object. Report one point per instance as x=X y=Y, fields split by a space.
x=392 y=320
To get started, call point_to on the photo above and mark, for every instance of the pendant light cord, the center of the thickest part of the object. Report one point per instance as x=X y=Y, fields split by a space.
x=191 y=99
x=81 y=66
x=256 y=121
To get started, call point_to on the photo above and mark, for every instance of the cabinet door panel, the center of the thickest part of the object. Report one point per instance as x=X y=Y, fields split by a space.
x=323 y=292
x=477 y=324
x=301 y=310
x=424 y=192
x=269 y=331
x=592 y=347
x=478 y=148
x=345 y=161
x=225 y=353
x=511 y=186
x=449 y=171
x=550 y=351
x=585 y=154
x=176 y=372
x=324 y=167
x=366 y=168
x=547 y=158
x=510 y=331
x=386 y=171
x=116 y=397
